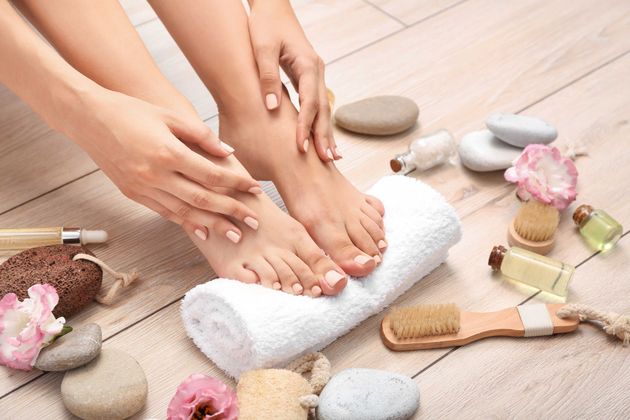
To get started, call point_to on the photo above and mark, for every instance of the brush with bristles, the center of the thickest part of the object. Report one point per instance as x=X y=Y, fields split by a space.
x=534 y=226
x=439 y=326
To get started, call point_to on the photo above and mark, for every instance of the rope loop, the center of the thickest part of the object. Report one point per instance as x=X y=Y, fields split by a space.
x=612 y=323
x=122 y=279
x=319 y=366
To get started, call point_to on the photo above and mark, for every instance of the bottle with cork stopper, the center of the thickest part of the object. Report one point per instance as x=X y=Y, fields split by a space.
x=597 y=227
x=425 y=152
x=529 y=268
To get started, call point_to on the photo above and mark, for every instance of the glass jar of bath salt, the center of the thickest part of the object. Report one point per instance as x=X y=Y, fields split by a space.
x=426 y=152
x=597 y=227
x=535 y=270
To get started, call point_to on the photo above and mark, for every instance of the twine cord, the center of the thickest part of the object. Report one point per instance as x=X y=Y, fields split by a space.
x=122 y=279
x=319 y=366
x=612 y=323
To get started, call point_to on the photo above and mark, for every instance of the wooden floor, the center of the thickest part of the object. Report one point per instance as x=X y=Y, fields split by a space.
x=567 y=62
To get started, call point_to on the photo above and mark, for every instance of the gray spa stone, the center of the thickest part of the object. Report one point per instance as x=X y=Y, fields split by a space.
x=112 y=386
x=72 y=350
x=378 y=115
x=481 y=151
x=521 y=130
x=368 y=394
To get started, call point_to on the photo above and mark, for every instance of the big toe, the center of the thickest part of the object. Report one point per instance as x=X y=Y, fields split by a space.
x=346 y=254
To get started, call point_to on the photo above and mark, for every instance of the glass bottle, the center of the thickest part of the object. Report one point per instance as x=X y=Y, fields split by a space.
x=536 y=270
x=426 y=152
x=599 y=230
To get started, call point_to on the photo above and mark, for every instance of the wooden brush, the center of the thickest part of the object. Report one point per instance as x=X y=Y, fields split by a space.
x=534 y=226
x=439 y=326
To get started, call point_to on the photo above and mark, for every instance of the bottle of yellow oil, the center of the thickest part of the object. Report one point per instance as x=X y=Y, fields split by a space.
x=599 y=230
x=536 y=270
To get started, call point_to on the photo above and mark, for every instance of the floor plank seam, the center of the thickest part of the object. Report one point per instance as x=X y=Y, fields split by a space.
x=389 y=15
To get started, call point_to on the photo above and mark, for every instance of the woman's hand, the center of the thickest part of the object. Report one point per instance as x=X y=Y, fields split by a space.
x=146 y=151
x=278 y=40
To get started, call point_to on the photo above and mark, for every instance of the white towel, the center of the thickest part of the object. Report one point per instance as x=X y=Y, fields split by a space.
x=246 y=326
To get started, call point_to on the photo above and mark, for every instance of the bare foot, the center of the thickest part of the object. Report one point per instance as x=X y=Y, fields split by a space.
x=280 y=254
x=344 y=222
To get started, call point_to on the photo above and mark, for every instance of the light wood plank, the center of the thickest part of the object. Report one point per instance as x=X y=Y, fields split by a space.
x=412 y=11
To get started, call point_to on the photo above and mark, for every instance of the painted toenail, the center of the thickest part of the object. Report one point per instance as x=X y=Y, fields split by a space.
x=233 y=236
x=377 y=259
x=277 y=286
x=305 y=145
x=329 y=154
x=201 y=234
x=316 y=290
x=382 y=244
x=227 y=147
x=362 y=259
x=333 y=277
x=271 y=101
x=251 y=222
x=297 y=288
x=255 y=190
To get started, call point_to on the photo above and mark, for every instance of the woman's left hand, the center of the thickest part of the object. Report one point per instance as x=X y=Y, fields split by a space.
x=279 y=41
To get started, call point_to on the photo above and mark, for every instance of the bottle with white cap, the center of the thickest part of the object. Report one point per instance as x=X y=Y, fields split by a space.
x=19 y=239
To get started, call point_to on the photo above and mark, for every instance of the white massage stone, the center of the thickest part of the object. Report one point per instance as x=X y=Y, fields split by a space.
x=368 y=394
x=481 y=151
x=521 y=130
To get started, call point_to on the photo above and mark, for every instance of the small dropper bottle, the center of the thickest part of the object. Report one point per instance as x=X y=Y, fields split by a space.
x=536 y=270
x=599 y=230
x=426 y=152
x=18 y=239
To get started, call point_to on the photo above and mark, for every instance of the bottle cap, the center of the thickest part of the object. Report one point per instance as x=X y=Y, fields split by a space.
x=93 y=236
x=496 y=257
x=581 y=213
x=402 y=162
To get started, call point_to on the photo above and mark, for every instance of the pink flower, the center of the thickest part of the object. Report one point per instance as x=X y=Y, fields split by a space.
x=201 y=397
x=542 y=173
x=26 y=327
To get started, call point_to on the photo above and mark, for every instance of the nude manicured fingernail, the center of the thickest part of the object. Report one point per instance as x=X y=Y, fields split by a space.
x=277 y=286
x=333 y=277
x=316 y=290
x=381 y=244
x=377 y=259
x=255 y=190
x=271 y=101
x=297 y=288
x=233 y=236
x=251 y=222
x=338 y=153
x=227 y=147
x=305 y=145
x=201 y=234
x=329 y=154
x=362 y=259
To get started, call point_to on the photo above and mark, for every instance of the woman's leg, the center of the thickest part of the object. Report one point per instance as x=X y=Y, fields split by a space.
x=98 y=40
x=214 y=35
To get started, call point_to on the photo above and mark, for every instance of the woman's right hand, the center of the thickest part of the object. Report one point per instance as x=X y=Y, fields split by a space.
x=146 y=151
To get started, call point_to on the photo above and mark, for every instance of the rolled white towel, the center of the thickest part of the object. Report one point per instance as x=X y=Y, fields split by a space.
x=246 y=326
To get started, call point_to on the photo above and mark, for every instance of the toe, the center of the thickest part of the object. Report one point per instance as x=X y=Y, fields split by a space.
x=267 y=276
x=241 y=273
x=350 y=258
x=376 y=203
x=307 y=278
x=361 y=238
x=287 y=278
x=330 y=277
x=375 y=231
x=373 y=214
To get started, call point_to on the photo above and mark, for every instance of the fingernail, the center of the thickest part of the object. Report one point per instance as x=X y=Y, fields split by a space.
x=233 y=236
x=305 y=146
x=297 y=288
x=329 y=154
x=381 y=244
x=377 y=259
x=251 y=222
x=201 y=234
x=362 y=259
x=316 y=290
x=255 y=190
x=277 y=286
x=271 y=101
x=338 y=153
x=227 y=147
x=333 y=277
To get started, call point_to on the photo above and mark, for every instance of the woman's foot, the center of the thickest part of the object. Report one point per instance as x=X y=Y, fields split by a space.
x=280 y=254
x=345 y=223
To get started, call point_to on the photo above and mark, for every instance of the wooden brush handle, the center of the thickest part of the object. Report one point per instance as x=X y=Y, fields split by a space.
x=475 y=326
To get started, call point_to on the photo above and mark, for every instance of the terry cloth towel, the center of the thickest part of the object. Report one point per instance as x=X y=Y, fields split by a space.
x=246 y=326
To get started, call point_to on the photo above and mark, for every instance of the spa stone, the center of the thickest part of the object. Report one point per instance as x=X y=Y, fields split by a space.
x=481 y=151
x=72 y=350
x=76 y=282
x=368 y=394
x=521 y=130
x=378 y=115
x=112 y=386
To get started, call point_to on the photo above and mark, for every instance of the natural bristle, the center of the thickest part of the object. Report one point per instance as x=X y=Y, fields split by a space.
x=424 y=320
x=536 y=221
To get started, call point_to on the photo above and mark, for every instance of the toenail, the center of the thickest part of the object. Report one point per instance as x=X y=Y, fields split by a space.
x=305 y=145
x=377 y=259
x=251 y=222
x=297 y=288
x=233 y=236
x=382 y=244
x=277 y=286
x=362 y=259
x=316 y=290
x=201 y=234
x=333 y=277
x=329 y=154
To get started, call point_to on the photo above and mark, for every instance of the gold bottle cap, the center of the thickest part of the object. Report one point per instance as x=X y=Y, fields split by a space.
x=581 y=213
x=496 y=257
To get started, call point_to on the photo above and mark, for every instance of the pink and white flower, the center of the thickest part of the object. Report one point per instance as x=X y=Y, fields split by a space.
x=27 y=326
x=543 y=174
x=204 y=398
